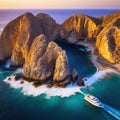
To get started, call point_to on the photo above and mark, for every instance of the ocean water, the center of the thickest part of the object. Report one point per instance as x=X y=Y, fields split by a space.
x=19 y=104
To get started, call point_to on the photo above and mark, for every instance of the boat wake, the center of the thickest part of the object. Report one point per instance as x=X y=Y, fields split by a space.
x=115 y=113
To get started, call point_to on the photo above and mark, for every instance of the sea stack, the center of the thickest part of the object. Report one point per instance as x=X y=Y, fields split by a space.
x=45 y=61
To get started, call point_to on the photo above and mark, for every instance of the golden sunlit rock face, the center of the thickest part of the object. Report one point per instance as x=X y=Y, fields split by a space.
x=45 y=61
x=61 y=67
x=19 y=34
x=28 y=40
x=109 y=18
x=79 y=27
x=108 y=42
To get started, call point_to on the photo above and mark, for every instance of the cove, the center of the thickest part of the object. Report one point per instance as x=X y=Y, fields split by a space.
x=78 y=58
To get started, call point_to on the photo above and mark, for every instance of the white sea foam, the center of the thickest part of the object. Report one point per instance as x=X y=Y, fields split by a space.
x=19 y=70
x=29 y=89
x=98 y=75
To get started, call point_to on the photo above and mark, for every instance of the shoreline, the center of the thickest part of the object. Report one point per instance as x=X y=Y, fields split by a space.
x=103 y=68
x=98 y=61
x=71 y=89
x=28 y=88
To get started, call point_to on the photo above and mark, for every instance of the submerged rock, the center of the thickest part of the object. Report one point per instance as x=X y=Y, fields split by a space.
x=22 y=82
x=37 y=84
x=50 y=85
x=81 y=83
x=17 y=77
x=63 y=83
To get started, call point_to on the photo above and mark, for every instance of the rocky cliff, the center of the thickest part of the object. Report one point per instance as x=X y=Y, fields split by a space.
x=50 y=28
x=18 y=35
x=80 y=27
x=23 y=40
x=46 y=61
x=108 y=42
x=109 y=18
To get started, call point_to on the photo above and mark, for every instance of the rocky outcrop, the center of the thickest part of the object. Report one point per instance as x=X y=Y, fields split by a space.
x=31 y=66
x=109 y=18
x=49 y=27
x=108 y=42
x=45 y=61
x=18 y=35
x=81 y=83
x=79 y=27
x=61 y=67
x=23 y=40
x=74 y=75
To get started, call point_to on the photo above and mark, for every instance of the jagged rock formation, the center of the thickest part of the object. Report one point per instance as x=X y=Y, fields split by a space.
x=61 y=67
x=49 y=27
x=18 y=35
x=108 y=42
x=80 y=27
x=23 y=40
x=45 y=61
x=109 y=18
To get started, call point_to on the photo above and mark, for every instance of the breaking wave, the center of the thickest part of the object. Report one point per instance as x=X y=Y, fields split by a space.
x=98 y=75
x=29 y=89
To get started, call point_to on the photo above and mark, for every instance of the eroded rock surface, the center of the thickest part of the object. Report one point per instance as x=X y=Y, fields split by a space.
x=46 y=61
x=108 y=42
x=18 y=35
x=79 y=27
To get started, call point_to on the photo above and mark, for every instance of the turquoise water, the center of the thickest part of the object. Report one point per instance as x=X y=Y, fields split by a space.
x=16 y=106
x=78 y=59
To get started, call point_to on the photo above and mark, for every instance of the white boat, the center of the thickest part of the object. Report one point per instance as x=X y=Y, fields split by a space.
x=93 y=100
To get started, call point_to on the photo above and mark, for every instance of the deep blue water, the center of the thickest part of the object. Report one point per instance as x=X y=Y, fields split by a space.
x=16 y=106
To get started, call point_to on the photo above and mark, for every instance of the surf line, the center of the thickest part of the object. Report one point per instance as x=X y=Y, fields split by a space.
x=96 y=102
